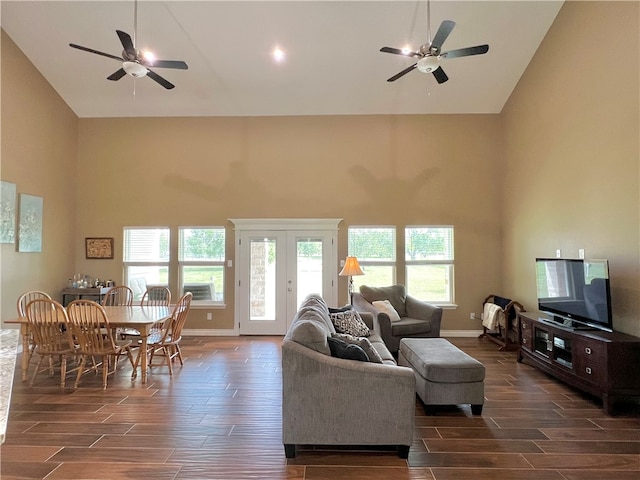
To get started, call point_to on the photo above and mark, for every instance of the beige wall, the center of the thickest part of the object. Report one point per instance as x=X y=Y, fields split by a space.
x=499 y=179
x=39 y=140
x=572 y=153
x=370 y=170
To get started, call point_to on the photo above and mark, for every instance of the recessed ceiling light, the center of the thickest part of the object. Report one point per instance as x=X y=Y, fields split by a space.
x=278 y=54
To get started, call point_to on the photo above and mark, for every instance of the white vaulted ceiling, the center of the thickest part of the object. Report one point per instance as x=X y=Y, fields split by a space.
x=332 y=66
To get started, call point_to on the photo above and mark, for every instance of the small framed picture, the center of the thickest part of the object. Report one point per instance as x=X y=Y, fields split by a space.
x=101 y=248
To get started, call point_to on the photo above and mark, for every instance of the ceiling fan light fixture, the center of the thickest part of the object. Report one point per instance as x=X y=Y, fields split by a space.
x=428 y=64
x=134 y=69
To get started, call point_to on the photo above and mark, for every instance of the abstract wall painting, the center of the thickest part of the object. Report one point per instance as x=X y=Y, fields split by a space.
x=30 y=224
x=7 y=212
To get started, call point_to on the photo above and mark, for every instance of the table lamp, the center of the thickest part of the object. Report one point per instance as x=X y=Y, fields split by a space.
x=351 y=268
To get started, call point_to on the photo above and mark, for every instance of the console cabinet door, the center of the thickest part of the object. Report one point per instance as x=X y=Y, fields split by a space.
x=526 y=334
x=591 y=360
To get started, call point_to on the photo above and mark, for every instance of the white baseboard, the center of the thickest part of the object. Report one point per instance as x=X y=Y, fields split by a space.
x=460 y=333
x=205 y=332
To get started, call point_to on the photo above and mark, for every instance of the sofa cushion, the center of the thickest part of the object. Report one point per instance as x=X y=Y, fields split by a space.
x=396 y=294
x=348 y=351
x=350 y=322
x=384 y=306
x=311 y=334
x=316 y=312
x=362 y=342
x=409 y=326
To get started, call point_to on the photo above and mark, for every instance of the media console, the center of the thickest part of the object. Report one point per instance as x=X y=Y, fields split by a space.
x=603 y=364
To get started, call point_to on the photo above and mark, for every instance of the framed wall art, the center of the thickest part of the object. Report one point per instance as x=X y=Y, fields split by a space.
x=7 y=212
x=30 y=223
x=98 y=248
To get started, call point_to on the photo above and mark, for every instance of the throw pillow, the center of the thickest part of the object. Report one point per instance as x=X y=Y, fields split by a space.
x=348 y=351
x=396 y=294
x=340 y=309
x=350 y=322
x=385 y=306
x=362 y=342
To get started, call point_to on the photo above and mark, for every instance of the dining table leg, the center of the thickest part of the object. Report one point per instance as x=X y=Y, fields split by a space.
x=144 y=334
x=24 y=362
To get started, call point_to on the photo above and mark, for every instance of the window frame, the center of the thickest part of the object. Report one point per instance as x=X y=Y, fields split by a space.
x=449 y=262
x=364 y=263
x=152 y=263
x=204 y=263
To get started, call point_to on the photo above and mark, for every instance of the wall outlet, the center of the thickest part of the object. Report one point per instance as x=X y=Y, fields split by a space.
x=472 y=316
x=581 y=253
x=558 y=253
x=209 y=316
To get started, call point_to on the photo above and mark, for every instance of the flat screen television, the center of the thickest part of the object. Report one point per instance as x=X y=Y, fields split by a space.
x=575 y=292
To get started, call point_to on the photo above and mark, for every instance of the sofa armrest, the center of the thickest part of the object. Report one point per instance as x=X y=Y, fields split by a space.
x=424 y=311
x=327 y=400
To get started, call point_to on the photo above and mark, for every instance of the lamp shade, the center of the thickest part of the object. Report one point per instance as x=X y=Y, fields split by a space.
x=351 y=267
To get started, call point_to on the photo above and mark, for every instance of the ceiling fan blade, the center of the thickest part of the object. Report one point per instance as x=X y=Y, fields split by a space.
x=465 y=52
x=402 y=73
x=169 y=64
x=440 y=76
x=154 y=76
x=441 y=35
x=127 y=44
x=91 y=50
x=117 y=75
x=397 y=51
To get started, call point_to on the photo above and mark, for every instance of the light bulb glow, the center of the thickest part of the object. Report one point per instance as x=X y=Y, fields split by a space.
x=406 y=50
x=149 y=56
x=278 y=54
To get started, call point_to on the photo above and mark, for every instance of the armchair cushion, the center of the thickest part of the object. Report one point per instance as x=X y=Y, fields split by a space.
x=396 y=294
x=385 y=307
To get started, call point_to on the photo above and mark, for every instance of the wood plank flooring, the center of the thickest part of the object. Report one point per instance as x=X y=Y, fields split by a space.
x=219 y=417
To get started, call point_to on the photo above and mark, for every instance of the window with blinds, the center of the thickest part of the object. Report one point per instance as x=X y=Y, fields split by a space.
x=146 y=258
x=429 y=263
x=375 y=249
x=201 y=257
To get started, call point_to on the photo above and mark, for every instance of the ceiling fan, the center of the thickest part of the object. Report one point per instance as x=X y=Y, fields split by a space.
x=430 y=54
x=134 y=62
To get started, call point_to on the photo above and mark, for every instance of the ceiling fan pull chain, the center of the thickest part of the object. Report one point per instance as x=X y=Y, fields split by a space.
x=135 y=23
x=429 y=22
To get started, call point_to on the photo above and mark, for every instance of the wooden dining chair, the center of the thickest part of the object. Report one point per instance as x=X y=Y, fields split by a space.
x=153 y=297
x=120 y=295
x=23 y=301
x=167 y=341
x=90 y=328
x=156 y=297
x=48 y=324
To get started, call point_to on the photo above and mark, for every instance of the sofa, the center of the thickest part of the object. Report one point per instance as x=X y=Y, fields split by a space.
x=414 y=319
x=328 y=400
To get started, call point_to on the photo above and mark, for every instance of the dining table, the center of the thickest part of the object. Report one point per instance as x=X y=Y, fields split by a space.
x=141 y=318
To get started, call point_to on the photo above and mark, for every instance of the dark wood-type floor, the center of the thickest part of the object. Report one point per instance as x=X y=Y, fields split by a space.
x=219 y=417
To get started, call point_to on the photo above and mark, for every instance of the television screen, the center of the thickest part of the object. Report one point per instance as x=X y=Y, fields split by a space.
x=575 y=290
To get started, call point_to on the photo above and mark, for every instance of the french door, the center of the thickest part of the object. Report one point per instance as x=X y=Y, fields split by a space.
x=278 y=263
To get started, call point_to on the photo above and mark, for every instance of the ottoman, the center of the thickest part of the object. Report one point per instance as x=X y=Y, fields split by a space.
x=445 y=375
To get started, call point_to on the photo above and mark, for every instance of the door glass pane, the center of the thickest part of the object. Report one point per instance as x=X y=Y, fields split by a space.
x=309 y=267
x=262 y=291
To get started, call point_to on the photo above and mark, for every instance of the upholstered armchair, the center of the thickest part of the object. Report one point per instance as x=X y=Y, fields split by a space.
x=414 y=318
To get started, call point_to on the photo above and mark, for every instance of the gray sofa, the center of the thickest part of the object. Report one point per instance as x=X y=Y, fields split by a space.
x=333 y=401
x=418 y=319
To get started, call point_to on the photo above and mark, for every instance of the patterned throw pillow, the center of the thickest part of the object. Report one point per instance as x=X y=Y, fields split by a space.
x=350 y=322
x=362 y=342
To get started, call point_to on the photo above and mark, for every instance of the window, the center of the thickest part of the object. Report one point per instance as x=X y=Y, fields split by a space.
x=429 y=263
x=201 y=255
x=375 y=249
x=146 y=258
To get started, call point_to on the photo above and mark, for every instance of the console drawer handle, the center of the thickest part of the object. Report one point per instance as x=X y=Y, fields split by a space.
x=588 y=370
x=587 y=350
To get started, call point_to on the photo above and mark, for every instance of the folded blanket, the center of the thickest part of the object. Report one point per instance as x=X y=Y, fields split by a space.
x=493 y=316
